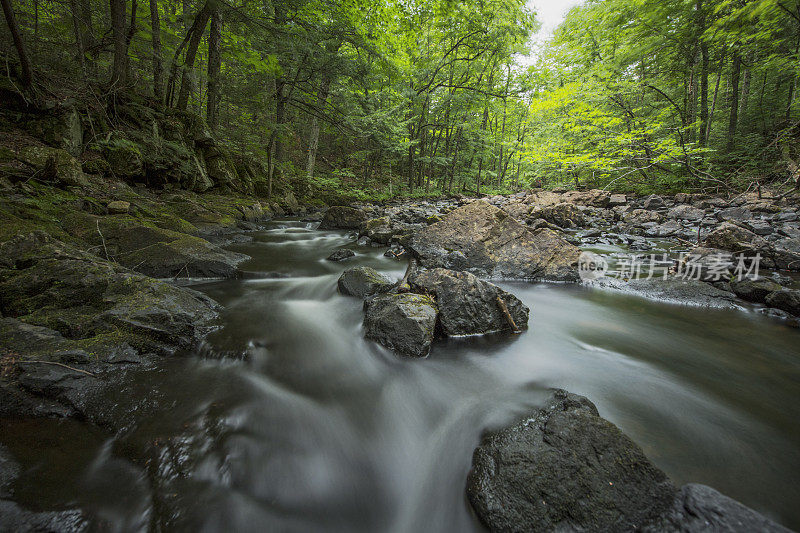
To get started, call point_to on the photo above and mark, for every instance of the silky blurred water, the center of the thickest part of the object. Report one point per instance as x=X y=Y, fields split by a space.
x=287 y=419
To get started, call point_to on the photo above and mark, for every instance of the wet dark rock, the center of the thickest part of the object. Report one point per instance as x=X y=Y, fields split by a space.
x=341 y=217
x=362 y=282
x=468 y=305
x=485 y=240
x=565 y=469
x=754 y=290
x=404 y=323
x=672 y=290
x=341 y=255
x=779 y=314
x=786 y=300
x=698 y=508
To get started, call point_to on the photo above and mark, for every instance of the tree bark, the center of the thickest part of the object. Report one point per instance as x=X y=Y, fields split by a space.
x=313 y=140
x=701 y=27
x=26 y=73
x=214 y=64
x=187 y=77
x=118 y=69
x=734 y=103
x=158 y=68
x=76 y=28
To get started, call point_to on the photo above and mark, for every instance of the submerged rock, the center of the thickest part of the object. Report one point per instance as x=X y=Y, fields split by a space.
x=468 y=305
x=341 y=217
x=404 y=323
x=341 y=255
x=486 y=241
x=567 y=469
x=362 y=282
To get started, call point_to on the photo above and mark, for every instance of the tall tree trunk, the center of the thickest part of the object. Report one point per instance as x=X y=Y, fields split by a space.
x=87 y=31
x=313 y=138
x=214 y=64
x=713 y=100
x=26 y=73
x=118 y=69
x=129 y=37
x=76 y=28
x=734 y=103
x=158 y=68
x=187 y=76
x=701 y=27
x=691 y=102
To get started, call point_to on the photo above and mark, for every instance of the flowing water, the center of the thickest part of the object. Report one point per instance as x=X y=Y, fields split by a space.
x=289 y=420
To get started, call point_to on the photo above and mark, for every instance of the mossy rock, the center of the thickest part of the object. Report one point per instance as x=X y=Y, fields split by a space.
x=124 y=158
x=55 y=164
x=97 y=166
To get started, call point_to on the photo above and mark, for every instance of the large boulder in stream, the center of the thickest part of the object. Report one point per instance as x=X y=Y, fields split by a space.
x=565 y=468
x=342 y=217
x=486 y=241
x=468 y=305
x=404 y=322
x=362 y=282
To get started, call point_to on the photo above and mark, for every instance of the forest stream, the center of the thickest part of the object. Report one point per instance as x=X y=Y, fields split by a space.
x=286 y=418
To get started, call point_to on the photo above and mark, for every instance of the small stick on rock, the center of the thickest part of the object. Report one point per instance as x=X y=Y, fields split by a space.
x=403 y=285
x=58 y=364
x=504 y=308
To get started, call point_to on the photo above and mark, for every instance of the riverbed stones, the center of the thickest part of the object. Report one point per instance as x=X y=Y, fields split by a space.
x=404 y=322
x=486 y=241
x=468 y=305
x=362 y=282
x=342 y=217
x=565 y=469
